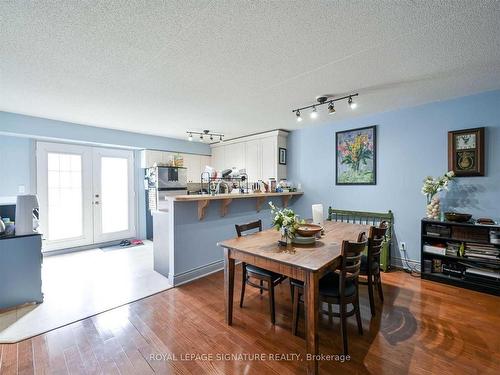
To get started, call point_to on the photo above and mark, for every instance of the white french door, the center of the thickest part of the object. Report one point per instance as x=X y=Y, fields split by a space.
x=114 y=214
x=86 y=194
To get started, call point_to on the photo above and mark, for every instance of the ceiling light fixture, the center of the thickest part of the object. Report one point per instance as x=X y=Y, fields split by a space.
x=314 y=113
x=351 y=103
x=331 y=109
x=205 y=133
x=322 y=100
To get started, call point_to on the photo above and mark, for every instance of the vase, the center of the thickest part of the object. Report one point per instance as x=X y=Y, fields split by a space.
x=433 y=207
x=285 y=236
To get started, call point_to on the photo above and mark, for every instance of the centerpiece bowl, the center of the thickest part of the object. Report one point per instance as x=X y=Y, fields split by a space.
x=308 y=230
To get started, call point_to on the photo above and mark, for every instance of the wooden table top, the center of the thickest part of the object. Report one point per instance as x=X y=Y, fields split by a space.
x=203 y=197
x=310 y=257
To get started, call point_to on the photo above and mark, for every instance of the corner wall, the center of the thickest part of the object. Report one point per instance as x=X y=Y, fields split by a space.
x=411 y=144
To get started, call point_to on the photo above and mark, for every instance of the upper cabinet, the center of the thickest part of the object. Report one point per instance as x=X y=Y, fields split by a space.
x=258 y=154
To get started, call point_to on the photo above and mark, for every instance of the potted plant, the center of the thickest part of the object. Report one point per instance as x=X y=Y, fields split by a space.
x=285 y=221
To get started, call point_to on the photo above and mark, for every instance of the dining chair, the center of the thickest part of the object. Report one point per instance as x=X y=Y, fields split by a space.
x=370 y=263
x=338 y=288
x=272 y=279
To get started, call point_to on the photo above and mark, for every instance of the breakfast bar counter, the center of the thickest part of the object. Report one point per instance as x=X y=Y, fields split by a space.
x=204 y=200
x=188 y=227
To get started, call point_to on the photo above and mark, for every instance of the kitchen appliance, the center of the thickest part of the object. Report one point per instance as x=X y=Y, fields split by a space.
x=161 y=183
x=27 y=218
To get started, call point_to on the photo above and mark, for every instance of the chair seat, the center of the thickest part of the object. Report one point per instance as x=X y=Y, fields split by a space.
x=262 y=272
x=329 y=285
x=364 y=265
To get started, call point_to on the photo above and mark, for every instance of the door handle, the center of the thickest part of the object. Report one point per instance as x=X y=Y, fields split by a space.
x=96 y=202
x=97 y=195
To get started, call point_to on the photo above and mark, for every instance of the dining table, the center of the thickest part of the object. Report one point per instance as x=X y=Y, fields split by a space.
x=307 y=263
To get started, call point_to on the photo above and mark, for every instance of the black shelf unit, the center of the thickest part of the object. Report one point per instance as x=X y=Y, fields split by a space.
x=460 y=233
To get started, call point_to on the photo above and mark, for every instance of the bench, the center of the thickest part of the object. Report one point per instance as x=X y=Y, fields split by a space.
x=369 y=218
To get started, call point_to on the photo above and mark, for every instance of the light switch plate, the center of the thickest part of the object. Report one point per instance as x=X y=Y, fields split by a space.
x=21 y=189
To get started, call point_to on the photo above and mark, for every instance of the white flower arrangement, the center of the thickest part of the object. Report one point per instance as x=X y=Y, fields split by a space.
x=433 y=185
x=284 y=220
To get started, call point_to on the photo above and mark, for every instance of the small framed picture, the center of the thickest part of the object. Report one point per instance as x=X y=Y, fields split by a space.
x=282 y=156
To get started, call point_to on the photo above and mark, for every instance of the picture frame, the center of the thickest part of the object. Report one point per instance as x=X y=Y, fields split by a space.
x=356 y=156
x=466 y=155
x=282 y=156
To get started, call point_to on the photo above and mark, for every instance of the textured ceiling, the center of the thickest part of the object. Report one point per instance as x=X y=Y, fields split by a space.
x=238 y=67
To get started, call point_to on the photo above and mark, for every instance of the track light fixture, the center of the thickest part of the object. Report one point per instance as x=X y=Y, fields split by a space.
x=204 y=133
x=314 y=113
x=351 y=103
x=331 y=108
x=325 y=99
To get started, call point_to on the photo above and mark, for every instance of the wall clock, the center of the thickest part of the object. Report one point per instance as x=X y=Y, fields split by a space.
x=466 y=152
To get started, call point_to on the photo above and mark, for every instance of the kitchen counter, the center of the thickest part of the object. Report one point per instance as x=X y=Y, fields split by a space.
x=204 y=200
x=201 y=197
x=185 y=247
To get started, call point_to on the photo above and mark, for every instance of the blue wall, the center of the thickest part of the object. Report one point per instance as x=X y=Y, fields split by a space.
x=411 y=144
x=17 y=159
x=15 y=165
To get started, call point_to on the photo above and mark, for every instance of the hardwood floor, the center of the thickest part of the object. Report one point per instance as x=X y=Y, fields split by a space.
x=424 y=328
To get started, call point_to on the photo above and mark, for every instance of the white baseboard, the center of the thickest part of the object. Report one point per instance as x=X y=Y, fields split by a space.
x=198 y=272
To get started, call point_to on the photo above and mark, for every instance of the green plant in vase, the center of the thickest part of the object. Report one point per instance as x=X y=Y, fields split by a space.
x=285 y=221
x=432 y=186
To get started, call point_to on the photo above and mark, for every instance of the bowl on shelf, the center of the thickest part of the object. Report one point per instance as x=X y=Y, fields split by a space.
x=308 y=230
x=457 y=217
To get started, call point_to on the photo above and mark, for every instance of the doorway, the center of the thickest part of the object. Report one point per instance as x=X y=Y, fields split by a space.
x=86 y=195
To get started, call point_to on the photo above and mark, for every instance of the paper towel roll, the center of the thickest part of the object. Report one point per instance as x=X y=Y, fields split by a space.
x=317 y=213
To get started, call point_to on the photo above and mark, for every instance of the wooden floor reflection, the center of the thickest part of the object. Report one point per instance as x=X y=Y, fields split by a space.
x=422 y=328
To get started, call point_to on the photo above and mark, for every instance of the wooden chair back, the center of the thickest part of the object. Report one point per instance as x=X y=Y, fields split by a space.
x=376 y=238
x=240 y=229
x=351 y=260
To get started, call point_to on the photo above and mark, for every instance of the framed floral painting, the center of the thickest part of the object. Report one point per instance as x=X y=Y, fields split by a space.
x=356 y=156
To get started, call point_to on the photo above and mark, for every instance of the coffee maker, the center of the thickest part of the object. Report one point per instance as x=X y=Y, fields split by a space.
x=27 y=217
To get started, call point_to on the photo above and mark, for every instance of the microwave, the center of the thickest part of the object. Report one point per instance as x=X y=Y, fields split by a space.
x=168 y=178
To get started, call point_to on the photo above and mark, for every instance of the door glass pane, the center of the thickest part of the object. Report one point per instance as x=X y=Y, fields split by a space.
x=114 y=194
x=65 y=210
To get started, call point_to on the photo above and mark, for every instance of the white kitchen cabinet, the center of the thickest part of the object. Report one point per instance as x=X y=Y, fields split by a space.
x=235 y=155
x=218 y=158
x=269 y=153
x=258 y=154
x=253 y=160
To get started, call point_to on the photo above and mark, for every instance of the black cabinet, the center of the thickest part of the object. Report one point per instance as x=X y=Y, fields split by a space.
x=461 y=254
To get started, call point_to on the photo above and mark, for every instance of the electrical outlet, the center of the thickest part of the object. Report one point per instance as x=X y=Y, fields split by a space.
x=402 y=246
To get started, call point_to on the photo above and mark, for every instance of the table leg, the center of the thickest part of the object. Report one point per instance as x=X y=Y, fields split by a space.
x=311 y=294
x=228 y=285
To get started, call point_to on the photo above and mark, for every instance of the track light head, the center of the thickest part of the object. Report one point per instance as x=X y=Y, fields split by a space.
x=314 y=113
x=351 y=103
x=190 y=138
x=331 y=108
x=211 y=137
x=220 y=138
x=299 y=118
x=201 y=137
